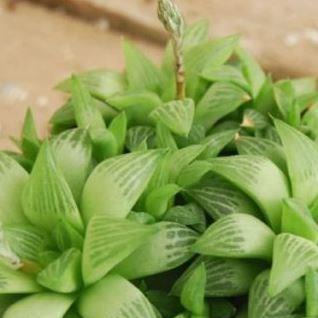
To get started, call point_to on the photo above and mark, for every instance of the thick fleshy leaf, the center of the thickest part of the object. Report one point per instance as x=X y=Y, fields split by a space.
x=12 y=181
x=64 y=116
x=222 y=308
x=167 y=249
x=16 y=282
x=164 y=137
x=65 y=236
x=264 y=102
x=261 y=179
x=158 y=200
x=237 y=236
x=137 y=135
x=192 y=173
x=219 y=198
x=293 y=257
x=118 y=127
x=220 y=100
x=284 y=96
x=20 y=159
x=226 y=277
x=108 y=242
x=141 y=217
x=226 y=73
x=73 y=153
x=100 y=83
x=45 y=205
x=136 y=105
x=196 y=136
x=88 y=117
x=114 y=297
x=202 y=56
x=30 y=142
x=64 y=274
x=262 y=305
x=176 y=115
x=253 y=119
x=26 y=241
x=182 y=158
x=311 y=288
x=6 y=301
x=302 y=158
x=190 y=214
x=252 y=71
x=193 y=290
x=215 y=143
x=262 y=147
x=196 y=34
x=116 y=184
x=141 y=73
x=48 y=305
x=297 y=220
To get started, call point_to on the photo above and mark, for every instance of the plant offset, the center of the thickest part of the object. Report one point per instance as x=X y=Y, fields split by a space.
x=188 y=190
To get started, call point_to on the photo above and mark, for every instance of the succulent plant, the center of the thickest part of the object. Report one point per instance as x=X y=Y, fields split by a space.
x=188 y=190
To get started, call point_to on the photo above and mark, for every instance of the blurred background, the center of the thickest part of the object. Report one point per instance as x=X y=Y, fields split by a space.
x=43 y=41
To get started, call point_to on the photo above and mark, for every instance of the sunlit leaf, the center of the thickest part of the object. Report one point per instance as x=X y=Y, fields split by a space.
x=261 y=179
x=108 y=242
x=116 y=184
x=64 y=274
x=137 y=135
x=12 y=181
x=293 y=256
x=45 y=205
x=311 y=289
x=73 y=153
x=164 y=137
x=167 y=249
x=48 y=305
x=237 y=236
x=118 y=127
x=220 y=100
x=226 y=277
x=100 y=83
x=262 y=305
x=114 y=297
x=252 y=119
x=196 y=34
x=176 y=115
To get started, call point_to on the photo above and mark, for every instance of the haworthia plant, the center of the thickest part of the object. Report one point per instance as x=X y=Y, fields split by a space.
x=186 y=190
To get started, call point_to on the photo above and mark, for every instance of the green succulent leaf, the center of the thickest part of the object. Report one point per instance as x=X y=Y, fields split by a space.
x=164 y=137
x=297 y=220
x=159 y=200
x=64 y=274
x=6 y=301
x=208 y=54
x=141 y=217
x=108 y=242
x=141 y=73
x=219 y=198
x=219 y=100
x=190 y=214
x=48 y=305
x=311 y=289
x=293 y=256
x=139 y=134
x=26 y=241
x=73 y=153
x=14 y=281
x=302 y=155
x=264 y=102
x=253 y=119
x=237 y=236
x=45 y=205
x=176 y=115
x=12 y=181
x=255 y=175
x=226 y=277
x=114 y=297
x=262 y=147
x=262 y=305
x=222 y=308
x=167 y=249
x=252 y=71
x=100 y=83
x=196 y=34
x=30 y=142
x=137 y=105
x=193 y=290
x=226 y=73
x=116 y=184
x=118 y=128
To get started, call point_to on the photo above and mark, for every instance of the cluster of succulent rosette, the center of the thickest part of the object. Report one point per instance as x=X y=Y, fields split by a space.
x=163 y=195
